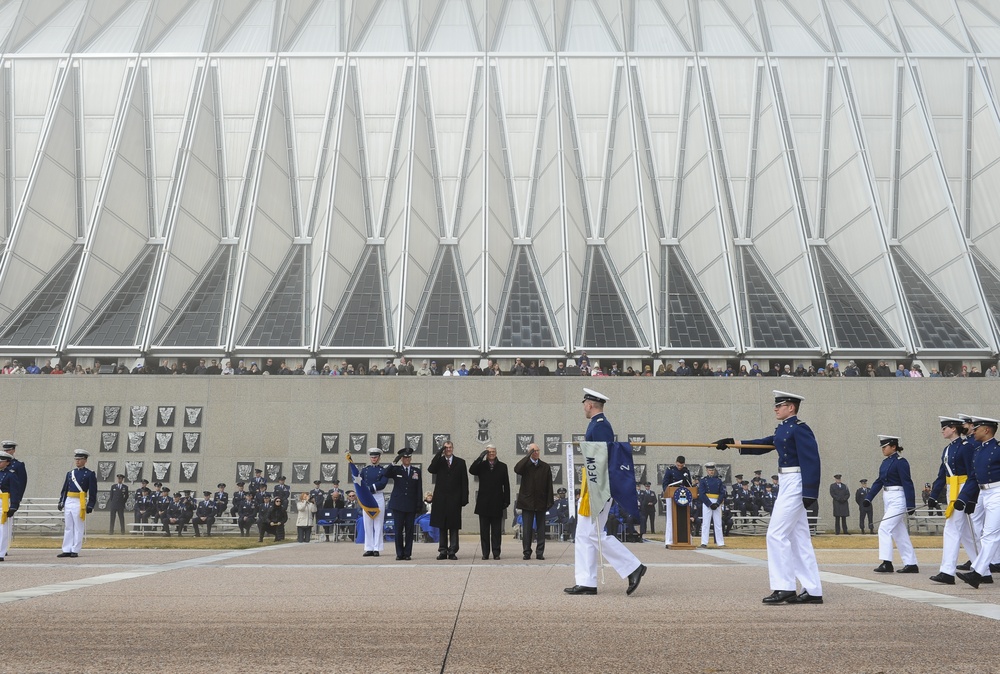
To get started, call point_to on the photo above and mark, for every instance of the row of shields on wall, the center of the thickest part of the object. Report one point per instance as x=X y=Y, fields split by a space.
x=163 y=441
x=551 y=445
x=138 y=416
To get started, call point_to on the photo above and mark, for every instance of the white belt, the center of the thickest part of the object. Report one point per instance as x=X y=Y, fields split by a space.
x=991 y=485
x=894 y=489
x=790 y=469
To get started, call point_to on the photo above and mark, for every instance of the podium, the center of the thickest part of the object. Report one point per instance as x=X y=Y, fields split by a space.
x=681 y=517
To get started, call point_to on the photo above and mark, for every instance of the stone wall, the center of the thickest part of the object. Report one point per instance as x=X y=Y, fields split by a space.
x=263 y=420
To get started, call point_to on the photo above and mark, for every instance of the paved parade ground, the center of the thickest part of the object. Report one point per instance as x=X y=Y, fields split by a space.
x=321 y=607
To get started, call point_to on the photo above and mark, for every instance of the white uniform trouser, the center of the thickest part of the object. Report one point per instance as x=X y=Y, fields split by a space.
x=668 y=533
x=5 y=530
x=790 y=553
x=989 y=544
x=957 y=534
x=75 y=527
x=374 y=526
x=709 y=516
x=893 y=527
x=615 y=553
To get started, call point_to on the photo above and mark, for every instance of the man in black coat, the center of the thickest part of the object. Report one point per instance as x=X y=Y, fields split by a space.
x=116 y=503
x=841 y=495
x=451 y=493
x=492 y=498
x=534 y=497
x=406 y=501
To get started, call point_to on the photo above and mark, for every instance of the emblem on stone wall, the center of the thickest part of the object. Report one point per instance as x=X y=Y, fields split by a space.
x=330 y=443
x=109 y=440
x=138 y=415
x=164 y=416
x=192 y=417
x=483 y=435
x=164 y=439
x=111 y=414
x=137 y=441
x=84 y=415
x=161 y=471
x=133 y=471
x=192 y=441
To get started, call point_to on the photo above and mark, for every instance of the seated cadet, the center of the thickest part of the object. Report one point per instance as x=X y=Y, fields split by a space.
x=247 y=515
x=143 y=507
x=221 y=499
x=175 y=515
x=205 y=515
x=163 y=503
x=190 y=505
x=239 y=496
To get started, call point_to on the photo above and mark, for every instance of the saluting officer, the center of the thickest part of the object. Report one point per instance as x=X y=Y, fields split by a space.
x=956 y=461
x=77 y=500
x=406 y=500
x=205 y=514
x=790 y=554
x=9 y=502
x=711 y=494
x=899 y=498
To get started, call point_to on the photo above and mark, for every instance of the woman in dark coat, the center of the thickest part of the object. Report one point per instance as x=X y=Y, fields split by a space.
x=492 y=499
x=451 y=493
x=276 y=518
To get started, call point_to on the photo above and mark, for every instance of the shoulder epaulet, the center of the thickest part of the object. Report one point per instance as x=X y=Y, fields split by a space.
x=799 y=421
x=598 y=420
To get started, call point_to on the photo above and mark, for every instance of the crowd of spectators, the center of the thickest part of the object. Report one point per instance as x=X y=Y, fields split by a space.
x=582 y=365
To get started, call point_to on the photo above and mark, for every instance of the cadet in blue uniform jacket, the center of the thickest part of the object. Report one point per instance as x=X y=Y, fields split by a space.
x=205 y=514
x=9 y=502
x=956 y=462
x=790 y=554
x=77 y=499
x=983 y=486
x=900 y=499
x=10 y=447
x=374 y=479
x=711 y=495
x=406 y=500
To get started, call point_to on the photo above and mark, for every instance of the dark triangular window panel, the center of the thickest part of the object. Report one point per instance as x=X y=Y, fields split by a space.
x=935 y=324
x=990 y=282
x=851 y=322
x=200 y=321
x=118 y=322
x=607 y=324
x=280 y=323
x=444 y=323
x=525 y=318
x=362 y=321
x=689 y=324
x=36 y=324
x=771 y=324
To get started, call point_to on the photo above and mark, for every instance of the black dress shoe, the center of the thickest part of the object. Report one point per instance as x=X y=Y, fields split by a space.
x=374 y=553
x=496 y=556
x=486 y=557
x=986 y=580
x=74 y=555
x=634 y=578
x=909 y=568
x=64 y=554
x=994 y=568
x=580 y=589
x=399 y=558
x=368 y=553
x=443 y=555
x=542 y=557
x=884 y=567
x=945 y=578
x=406 y=558
x=527 y=556
x=964 y=567
x=452 y=556
x=805 y=598
x=779 y=597
x=972 y=578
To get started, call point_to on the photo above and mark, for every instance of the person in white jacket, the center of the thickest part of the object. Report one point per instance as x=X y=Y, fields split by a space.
x=305 y=520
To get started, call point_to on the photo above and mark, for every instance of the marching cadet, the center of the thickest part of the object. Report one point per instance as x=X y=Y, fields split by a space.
x=956 y=461
x=9 y=501
x=866 y=510
x=17 y=467
x=239 y=496
x=205 y=514
x=318 y=496
x=983 y=485
x=77 y=500
x=221 y=499
x=900 y=500
x=282 y=491
x=790 y=554
x=712 y=494
x=247 y=515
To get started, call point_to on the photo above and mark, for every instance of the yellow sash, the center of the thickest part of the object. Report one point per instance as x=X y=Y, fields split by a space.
x=4 y=504
x=954 y=483
x=584 y=507
x=713 y=496
x=83 y=503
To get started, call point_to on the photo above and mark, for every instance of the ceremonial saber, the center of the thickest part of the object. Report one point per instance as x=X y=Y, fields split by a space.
x=890 y=517
x=691 y=444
